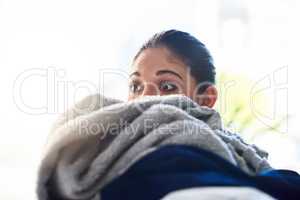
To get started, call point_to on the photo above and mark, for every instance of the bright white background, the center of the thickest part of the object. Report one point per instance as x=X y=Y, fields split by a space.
x=76 y=39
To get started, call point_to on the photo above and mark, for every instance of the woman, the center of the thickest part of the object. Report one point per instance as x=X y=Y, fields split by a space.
x=92 y=154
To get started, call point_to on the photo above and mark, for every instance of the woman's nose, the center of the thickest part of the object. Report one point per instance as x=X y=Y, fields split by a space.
x=150 y=89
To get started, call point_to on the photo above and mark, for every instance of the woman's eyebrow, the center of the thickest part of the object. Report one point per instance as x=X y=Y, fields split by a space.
x=136 y=73
x=160 y=72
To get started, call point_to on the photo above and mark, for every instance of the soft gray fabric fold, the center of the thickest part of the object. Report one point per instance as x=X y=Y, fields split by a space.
x=99 y=138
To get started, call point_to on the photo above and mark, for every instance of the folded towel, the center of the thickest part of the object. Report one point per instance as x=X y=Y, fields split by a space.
x=99 y=138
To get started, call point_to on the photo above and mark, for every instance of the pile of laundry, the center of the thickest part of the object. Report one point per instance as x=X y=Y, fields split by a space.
x=103 y=148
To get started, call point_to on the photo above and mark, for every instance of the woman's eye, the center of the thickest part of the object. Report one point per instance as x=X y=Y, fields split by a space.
x=135 y=88
x=168 y=86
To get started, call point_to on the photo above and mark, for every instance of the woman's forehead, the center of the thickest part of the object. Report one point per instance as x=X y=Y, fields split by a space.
x=154 y=59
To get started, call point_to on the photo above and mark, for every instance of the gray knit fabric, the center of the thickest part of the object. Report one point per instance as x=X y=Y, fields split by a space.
x=99 y=138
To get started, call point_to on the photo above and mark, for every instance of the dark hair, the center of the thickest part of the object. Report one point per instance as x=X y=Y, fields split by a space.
x=190 y=50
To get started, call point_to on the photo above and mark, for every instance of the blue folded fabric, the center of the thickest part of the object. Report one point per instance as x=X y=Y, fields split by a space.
x=175 y=167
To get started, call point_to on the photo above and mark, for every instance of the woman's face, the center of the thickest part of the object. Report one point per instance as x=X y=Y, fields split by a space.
x=157 y=72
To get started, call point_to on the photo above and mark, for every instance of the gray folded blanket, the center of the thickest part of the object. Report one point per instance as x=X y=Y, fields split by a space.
x=99 y=138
